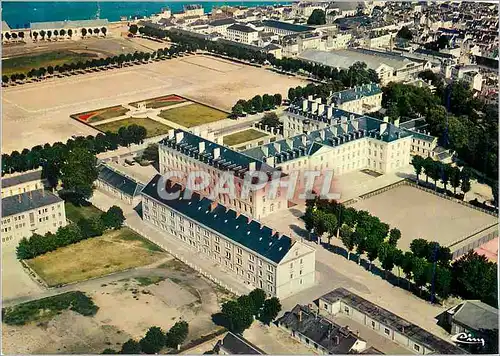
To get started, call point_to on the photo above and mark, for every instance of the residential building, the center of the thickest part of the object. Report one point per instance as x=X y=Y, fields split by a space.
x=362 y=99
x=242 y=33
x=22 y=183
x=73 y=30
x=119 y=184
x=185 y=152
x=378 y=40
x=220 y=25
x=414 y=338
x=322 y=335
x=338 y=41
x=475 y=318
x=284 y=28
x=36 y=211
x=256 y=254
x=233 y=344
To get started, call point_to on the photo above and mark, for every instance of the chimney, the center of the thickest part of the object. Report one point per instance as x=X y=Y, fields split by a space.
x=252 y=166
x=179 y=136
x=329 y=112
x=344 y=127
x=277 y=147
x=43 y=190
x=396 y=122
x=304 y=140
x=304 y=105
x=355 y=124
x=314 y=107
x=321 y=109
x=322 y=134
x=265 y=150
x=386 y=118
x=20 y=198
x=213 y=205
x=216 y=152
x=310 y=97
x=300 y=315
x=270 y=161
x=201 y=146
x=30 y=195
x=383 y=127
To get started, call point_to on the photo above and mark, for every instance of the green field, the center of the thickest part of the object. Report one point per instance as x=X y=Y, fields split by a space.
x=75 y=213
x=243 y=136
x=24 y=64
x=160 y=102
x=153 y=128
x=193 y=115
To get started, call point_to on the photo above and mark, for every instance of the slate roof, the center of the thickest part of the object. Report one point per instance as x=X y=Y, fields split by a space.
x=286 y=26
x=22 y=178
x=222 y=22
x=237 y=345
x=228 y=159
x=35 y=199
x=118 y=180
x=241 y=28
x=334 y=338
x=237 y=227
x=68 y=24
x=477 y=315
x=385 y=317
x=356 y=93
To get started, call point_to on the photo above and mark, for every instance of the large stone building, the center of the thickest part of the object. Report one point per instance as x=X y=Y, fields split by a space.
x=185 y=152
x=256 y=254
x=362 y=99
x=36 y=211
x=242 y=33
x=22 y=183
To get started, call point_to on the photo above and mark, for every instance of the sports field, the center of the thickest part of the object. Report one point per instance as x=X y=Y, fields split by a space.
x=419 y=214
x=39 y=113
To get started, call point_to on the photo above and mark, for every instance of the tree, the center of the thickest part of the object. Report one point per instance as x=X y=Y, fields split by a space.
x=257 y=298
x=465 y=186
x=278 y=99
x=270 y=119
x=153 y=341
x=270 y=311
x=62 y=33
x=257 y=103
x=455 y=179
x=237 y=109
x=407 y=265
x=42 y=34
x=131 y=347
x=177 y=334
x=317 y=17
x=291 y=94
x=422 y=272
x=442 y=281
x=372 y=245
x=104 y=30
x=84 y=32
x=108 y=351
x=418 y=163
x=420 y=248
x=96 y=31
x=49 y=34
x=35 y=34
x=386 y=253
x=14 y=36
x=8 y=36
x=347 y=238
x=405 y=33
x=113 y=218
x=79 y=172
x=236 y=318
x=394 y=236
x=5 y=79
x=443 y=42
x=133 y=29
x=150 y=153
x=70 y=32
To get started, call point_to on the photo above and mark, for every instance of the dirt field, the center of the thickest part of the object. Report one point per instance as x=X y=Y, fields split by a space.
x=126 y=310
x=419 y=214
x=38 y=113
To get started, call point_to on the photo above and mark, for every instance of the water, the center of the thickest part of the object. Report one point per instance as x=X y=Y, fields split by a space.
x=21 y=14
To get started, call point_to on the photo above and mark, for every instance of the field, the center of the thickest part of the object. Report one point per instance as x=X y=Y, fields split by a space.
x=38 y=113
x=25 y=63
x=193 y=115
x=101 y=114
x=243 y=136
x=419 y=214
x=114 y=251
x=75 y=213
x=160 y=102
x=153 y=128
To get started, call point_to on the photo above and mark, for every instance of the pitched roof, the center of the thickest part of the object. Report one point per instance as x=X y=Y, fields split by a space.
x=402 y=326
x=68 y=24
x=241 y=28
x=35 y=199
x=286 y=26
x=477 y=315
x=356 y=93
x=237 y=227
x=222 y=22
x=22 y=178
x=237 y=345
x=333 y=337
x=118 y=180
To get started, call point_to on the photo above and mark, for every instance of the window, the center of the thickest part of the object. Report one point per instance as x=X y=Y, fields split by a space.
x=416 y=347
x=387 y=331
x=217 y=248
x=228 y=254
x=346 y=310
x=251 y=268
x=251 y=258
x=228 y=245
x=373 y=324
x=238 y=251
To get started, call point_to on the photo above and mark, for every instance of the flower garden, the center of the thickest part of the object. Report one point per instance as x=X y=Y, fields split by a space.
x=100 y=114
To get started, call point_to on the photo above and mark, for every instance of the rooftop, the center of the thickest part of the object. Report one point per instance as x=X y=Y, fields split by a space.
x=237 y=345
x=68 y=24
x=393 y=321
x=35 y=199
x=356 y=93
x=477 y=315
x=222 y=22
x=118 y=180
x=21 y=178
x=334 y=338
x=243 y=230
x=286 y=26
x=241 y=28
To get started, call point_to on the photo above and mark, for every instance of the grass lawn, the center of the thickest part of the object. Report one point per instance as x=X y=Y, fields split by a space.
x=153 y=128
x=243 y=136
x=75 y=213
x=24 y=64
x=193 y=115
x=115 y=251
x=161 y=101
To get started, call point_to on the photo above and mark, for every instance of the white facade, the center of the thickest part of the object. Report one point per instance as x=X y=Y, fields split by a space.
x=73 y=30
x=242 y=33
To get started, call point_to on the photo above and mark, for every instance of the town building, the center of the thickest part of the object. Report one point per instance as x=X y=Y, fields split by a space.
x=474 y=318
x=118 y=184
x=220 y=25
x=186 y=152
x=306 y=8
x=256 y=254
x=242 y=33
x=233 y=344
x=411 y=336
x=73 y=30
x=36 y=211
x=284 y=28
x=22 y=183
x=361 y=99
x=322 y=335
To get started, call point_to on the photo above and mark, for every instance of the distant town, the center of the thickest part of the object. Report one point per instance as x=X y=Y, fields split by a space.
x=310 y=178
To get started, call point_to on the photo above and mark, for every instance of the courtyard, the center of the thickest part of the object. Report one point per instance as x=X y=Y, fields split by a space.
x=39 y=113
x=242 y=137
x=153 y=127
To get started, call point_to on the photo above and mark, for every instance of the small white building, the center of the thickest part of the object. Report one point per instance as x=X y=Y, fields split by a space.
x=118 y=184
x=242 y=33
x=22 y=183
